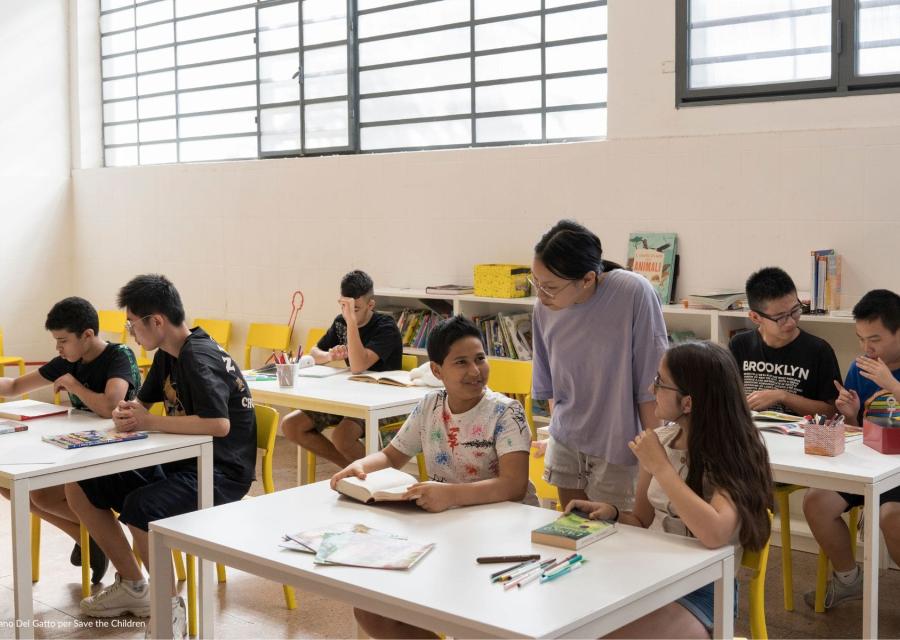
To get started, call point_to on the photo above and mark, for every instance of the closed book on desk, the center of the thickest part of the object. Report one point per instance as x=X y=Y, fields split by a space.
x=394 y=378
x=572 y=532
x=8 y=426
x=386 y=484
x=92 y=438
x=30 y=410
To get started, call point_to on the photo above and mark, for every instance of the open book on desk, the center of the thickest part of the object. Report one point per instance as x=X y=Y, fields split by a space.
x=382 y=485
x=774 y=416
x=394 y=378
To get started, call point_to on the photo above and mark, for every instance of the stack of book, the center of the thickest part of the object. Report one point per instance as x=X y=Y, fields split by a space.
x=825 y=281
x=507 y=335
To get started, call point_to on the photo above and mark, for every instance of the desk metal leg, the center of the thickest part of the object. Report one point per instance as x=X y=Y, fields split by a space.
x=21 y=549
x=161 y=578
x=871 y=513
x=723 y=611
x=372 y=439
x=207 y=584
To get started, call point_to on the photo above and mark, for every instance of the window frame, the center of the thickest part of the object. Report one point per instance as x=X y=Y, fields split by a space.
x=843 y=81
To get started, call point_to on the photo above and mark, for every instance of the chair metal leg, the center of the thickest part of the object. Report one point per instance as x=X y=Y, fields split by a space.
x=310 y=467
x=220 y=572
x=289 y=598
x=35 y=548
x=177 y=558
x=85 y=561
x=192 y=594
x=787 y=562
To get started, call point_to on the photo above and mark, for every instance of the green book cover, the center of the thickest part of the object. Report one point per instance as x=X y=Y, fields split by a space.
x=572 y=531
x=653 y=256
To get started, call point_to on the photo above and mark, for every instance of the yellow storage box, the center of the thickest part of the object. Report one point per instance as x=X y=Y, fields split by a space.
x=502 y=280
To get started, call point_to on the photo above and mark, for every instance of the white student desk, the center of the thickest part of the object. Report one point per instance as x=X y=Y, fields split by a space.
x=628 y=574
x=859 y=470
x=338 y=395
x=26 y=464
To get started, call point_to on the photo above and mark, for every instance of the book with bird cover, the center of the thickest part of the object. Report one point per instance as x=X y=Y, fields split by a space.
x=654 y=256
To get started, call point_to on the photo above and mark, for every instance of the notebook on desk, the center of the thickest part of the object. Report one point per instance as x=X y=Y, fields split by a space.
x=30 y=409
x=319 y=371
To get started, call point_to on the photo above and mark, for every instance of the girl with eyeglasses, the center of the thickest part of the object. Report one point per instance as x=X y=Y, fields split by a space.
x=705 y=474
x=598 y=337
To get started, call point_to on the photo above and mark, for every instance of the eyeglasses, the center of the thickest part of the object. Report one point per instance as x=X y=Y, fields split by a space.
x=129 y=327
x=782 y=319
x=658 y=384
x=543 y=291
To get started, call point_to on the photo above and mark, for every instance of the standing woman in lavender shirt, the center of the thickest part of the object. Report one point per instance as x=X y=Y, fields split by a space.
x=599 y=336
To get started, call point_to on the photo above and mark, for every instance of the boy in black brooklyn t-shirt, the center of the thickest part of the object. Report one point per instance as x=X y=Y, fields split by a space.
x=96 y=375
x=204 y=393
x=363 y=339
x=783 y=367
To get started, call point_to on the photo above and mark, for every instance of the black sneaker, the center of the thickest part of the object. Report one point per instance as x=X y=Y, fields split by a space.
x=99 y=561
x=75 y=556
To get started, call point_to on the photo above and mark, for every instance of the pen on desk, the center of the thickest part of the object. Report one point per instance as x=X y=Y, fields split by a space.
x=514 y=574
x=568 y=569
x=576 y=558
x=497 y=574
x=561 y=562
x=534 y=571
x=498 y=559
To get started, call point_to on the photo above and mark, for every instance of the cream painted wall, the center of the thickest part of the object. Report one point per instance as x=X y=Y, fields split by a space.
x=744 y=186
x=35 y=196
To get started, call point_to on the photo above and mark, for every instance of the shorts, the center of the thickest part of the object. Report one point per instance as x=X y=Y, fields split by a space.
x=149 y=494
x=856 y=500
x=322 y=421
x=699 y=604
x=602 y=481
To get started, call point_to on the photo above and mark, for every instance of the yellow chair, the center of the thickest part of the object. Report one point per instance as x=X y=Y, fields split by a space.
x=272 y=337
x=312 y=338
x=408 y=363
x=513 y=378
x=545 y=491
x=266 y=428
x=218 y=330
x=823 y=569
x=755 y=562
x=10 y=361
x=113 y=321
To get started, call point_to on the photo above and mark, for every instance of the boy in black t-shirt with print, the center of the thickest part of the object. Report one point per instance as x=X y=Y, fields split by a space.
x=365 y=340
x=97 y=375
x=204 y=394
x=783 y=367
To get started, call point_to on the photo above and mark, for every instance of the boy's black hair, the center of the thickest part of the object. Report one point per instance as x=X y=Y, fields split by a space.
x=768 y=284
x=357 y=284
x=446 y=333
x=152 y=293
x=73 y=314
x=879 y=304
x=570 y=251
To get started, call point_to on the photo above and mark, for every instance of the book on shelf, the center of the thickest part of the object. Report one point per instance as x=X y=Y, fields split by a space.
x=394 y=378
x=571 y=531
x=382 y=485
x=9 y=426
x=30 y=410
x=678 y=337
x=721 y=299
x=450 y=289
x=416 y=325
x=653 y=255
x=825 y=280
x=506 y=335
x=92 y=438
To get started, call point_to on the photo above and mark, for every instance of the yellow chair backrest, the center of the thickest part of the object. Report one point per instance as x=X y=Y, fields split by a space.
x=113 y=321
x=312 y=338
x=266 y=428
x=513 y=378
x=545 y=491
x=272 y=337
x=409 y=362
x=755 y=562
x=218 y=330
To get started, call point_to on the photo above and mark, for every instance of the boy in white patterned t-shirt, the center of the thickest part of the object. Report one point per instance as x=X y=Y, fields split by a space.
x=475 y=442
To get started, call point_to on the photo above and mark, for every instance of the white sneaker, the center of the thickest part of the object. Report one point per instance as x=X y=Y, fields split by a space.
x=118 y=599
x=179 y=620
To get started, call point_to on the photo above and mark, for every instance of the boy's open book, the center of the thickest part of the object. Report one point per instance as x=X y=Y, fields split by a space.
x=386 y=484
x=395 y=378
x=30 y=409
x=92 y=438
x=570 y=531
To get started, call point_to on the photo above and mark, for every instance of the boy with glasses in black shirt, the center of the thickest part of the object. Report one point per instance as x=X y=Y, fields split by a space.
x=783 y=367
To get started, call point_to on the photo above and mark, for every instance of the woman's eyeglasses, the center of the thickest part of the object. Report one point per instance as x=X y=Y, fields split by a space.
x=658 y=384
x=544 y=291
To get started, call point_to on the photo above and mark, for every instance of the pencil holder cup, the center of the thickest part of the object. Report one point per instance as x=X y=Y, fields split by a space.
x=286 y=374
x=824 y=439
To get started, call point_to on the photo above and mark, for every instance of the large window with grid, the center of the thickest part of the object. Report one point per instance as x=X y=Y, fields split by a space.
x=200 y=80
x=734 y=50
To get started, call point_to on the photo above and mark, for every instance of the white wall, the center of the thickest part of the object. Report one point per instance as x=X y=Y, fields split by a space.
x=35 y=196
x=743 y=185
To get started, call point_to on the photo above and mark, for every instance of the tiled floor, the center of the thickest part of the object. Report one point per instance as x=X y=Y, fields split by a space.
x=249 y=607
